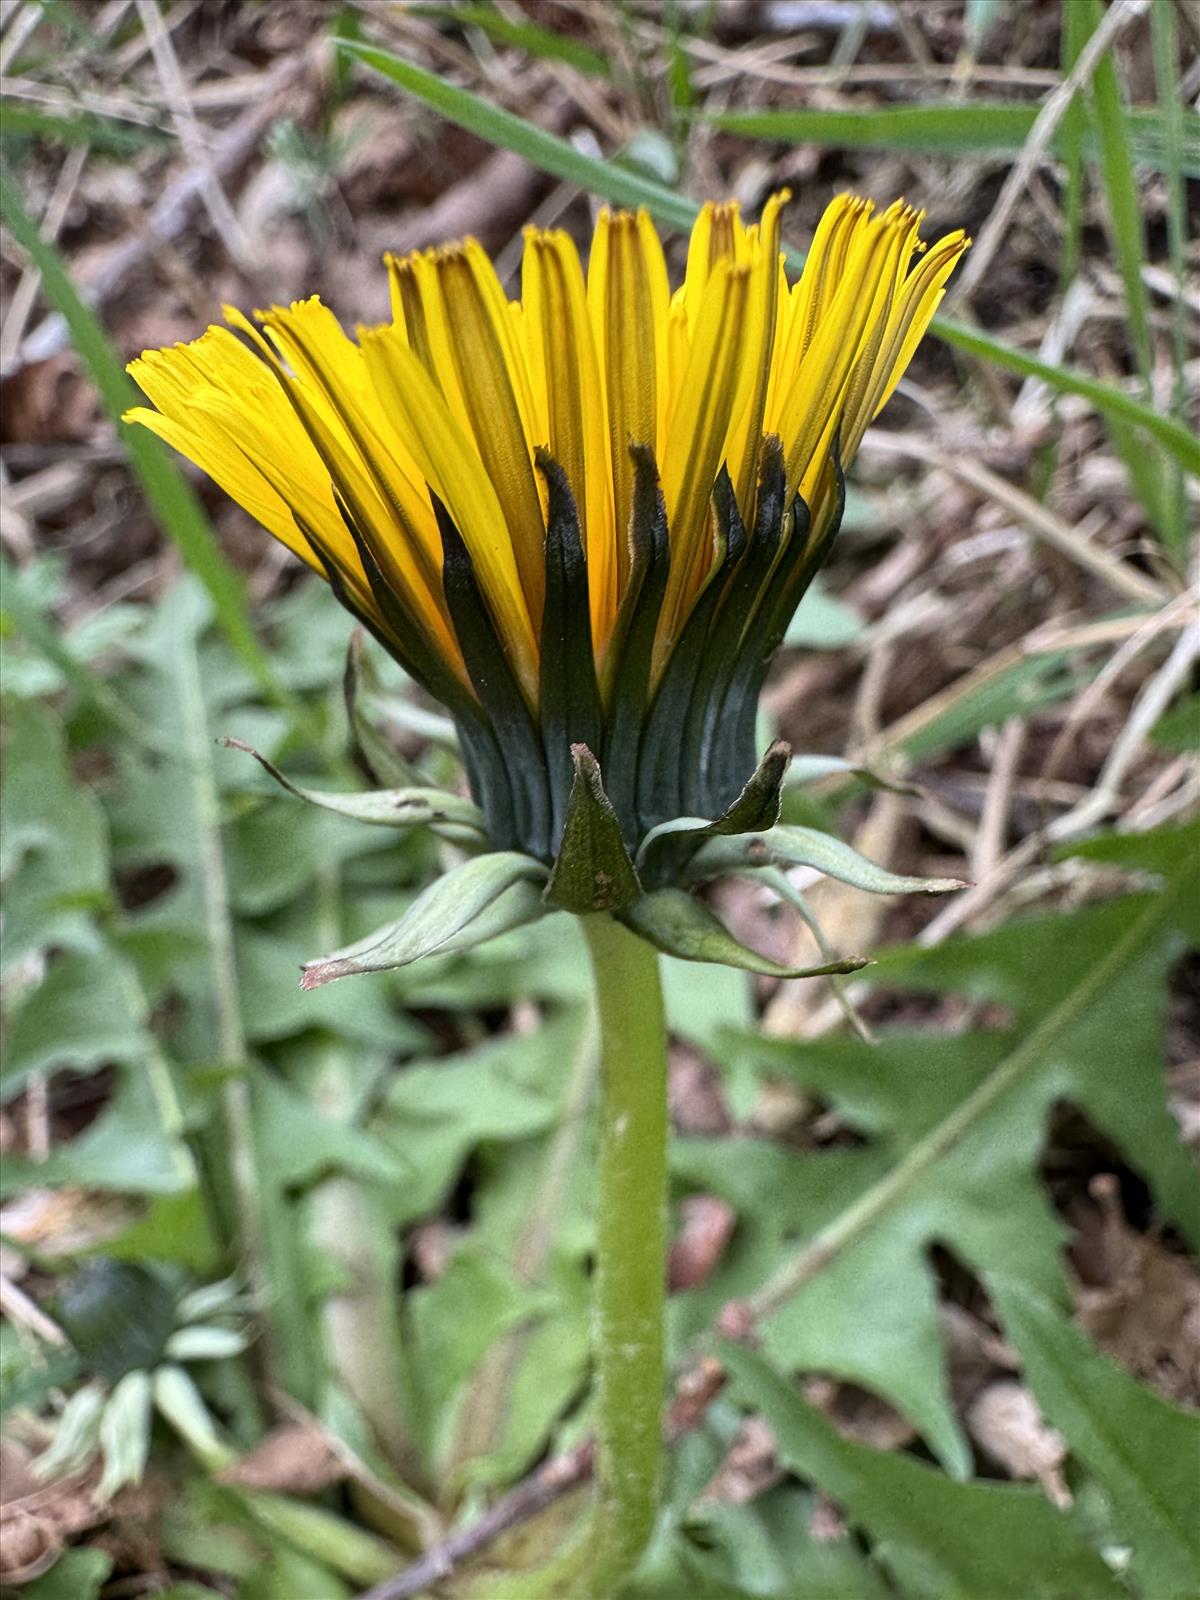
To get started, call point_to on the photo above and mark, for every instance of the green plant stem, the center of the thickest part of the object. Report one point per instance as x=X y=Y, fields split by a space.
x=631 y=1245
x=629 y=1290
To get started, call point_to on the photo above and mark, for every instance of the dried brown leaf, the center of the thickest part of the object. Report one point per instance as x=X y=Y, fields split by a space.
x=1004 y=1420
x=707 y=1224
x=295 y=1458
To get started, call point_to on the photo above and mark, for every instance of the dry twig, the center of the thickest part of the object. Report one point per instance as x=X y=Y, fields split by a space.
x=190 y=136
x=992 y=234
x=1125 y=580
x=173 y=213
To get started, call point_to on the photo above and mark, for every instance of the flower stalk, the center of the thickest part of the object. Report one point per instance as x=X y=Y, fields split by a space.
x=629 y=1282
x=631 y=1242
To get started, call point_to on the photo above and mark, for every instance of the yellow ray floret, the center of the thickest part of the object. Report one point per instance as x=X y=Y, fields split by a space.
x=340 y=446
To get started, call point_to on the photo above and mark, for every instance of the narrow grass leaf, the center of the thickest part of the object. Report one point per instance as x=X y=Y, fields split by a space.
x=1106 y=397
x=1124 y=207
x=1072 y=131
x=109 y=134
x=1164 y=31
x=175 y=505
x=953 y=129
x=950 y=130
x=543 y=43
x=548 y=151
x=622 y=187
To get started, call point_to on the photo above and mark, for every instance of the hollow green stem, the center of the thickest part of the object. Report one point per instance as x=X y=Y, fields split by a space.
x=629 y=1286
x=631 y=1241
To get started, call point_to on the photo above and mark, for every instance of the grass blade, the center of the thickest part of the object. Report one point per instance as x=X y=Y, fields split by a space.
x=951 y=129
x=1071 y=137
x=1150 y=473
x=622 y=187
x=109 y=134
x=508 y=131
x=1170 y=99
x=1116 y=165
x=175 y=505
x=1165 y=36
x=537 y=41
x=1108 y=399
x=948 y=130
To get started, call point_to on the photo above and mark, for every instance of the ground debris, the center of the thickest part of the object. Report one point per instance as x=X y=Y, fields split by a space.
x=1138 y=1299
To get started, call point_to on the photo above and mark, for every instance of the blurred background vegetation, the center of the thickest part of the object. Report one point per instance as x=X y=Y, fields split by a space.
x=294 y=1286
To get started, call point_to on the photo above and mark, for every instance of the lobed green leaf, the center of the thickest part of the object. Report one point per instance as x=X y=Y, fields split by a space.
x=955 y=1541
x=1145 y=1452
